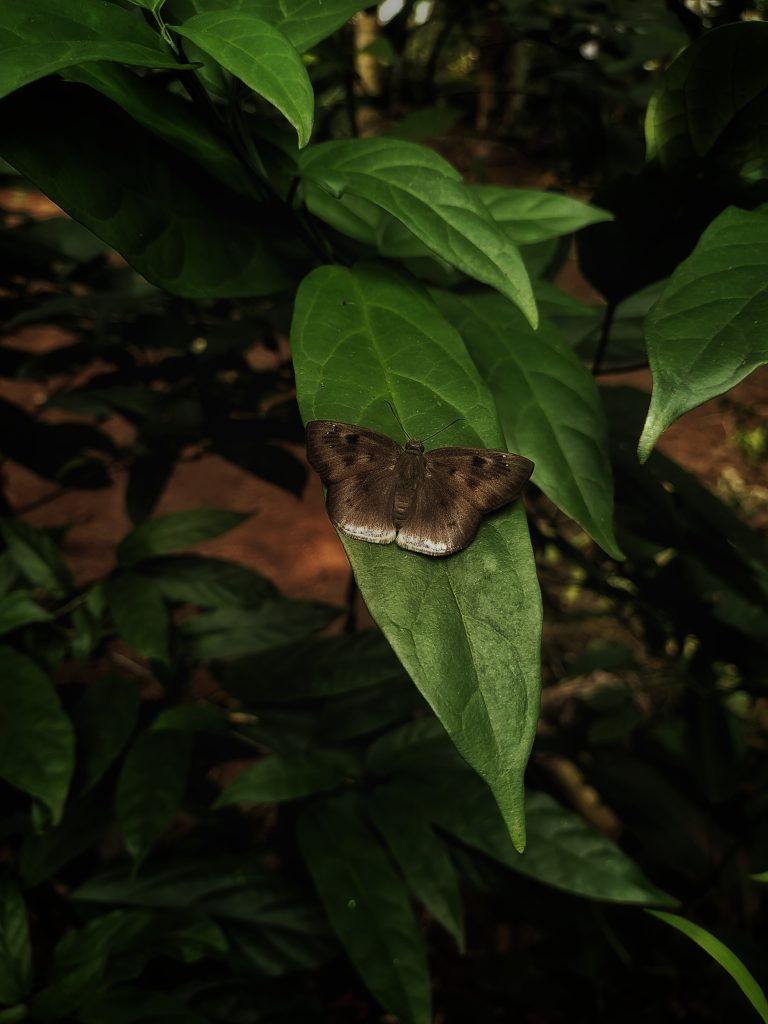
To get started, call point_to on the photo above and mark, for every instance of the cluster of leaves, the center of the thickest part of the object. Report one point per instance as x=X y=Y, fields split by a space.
x=148 y=877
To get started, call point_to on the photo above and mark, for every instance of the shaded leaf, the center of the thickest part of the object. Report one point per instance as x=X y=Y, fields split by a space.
x=140 y=614
x=37 y=557
x=530 y=215
x=18 y=609
x=287 y=777
x=36 y=737
x=208 y=582
x=104 y=718
x=15 y=948
x=367 y=906
x=175 y=531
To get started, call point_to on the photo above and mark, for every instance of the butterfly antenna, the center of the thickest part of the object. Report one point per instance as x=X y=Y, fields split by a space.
x=441 y=429
x=406 y=435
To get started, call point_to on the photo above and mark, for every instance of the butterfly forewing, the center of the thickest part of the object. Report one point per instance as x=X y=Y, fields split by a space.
x=486 y=478
x=339 y=450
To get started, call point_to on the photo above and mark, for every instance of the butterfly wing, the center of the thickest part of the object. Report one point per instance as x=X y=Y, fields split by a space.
x=358 y=467
x=459 y=487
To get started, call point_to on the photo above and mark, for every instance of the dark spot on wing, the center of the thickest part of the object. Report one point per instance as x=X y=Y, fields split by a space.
x=478 y=460
x=442 y=503
x=452 y=471
x=365 y=488
x=371 y=457
x=452 y=522
x=352 y=438
x=349 y=460
x=473 y=483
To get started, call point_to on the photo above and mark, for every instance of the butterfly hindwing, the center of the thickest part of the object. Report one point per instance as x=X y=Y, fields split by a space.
x=439 y=521
x=339 y=450
x=361 y=506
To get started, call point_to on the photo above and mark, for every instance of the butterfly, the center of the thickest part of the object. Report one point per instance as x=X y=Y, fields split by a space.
x=430 y=502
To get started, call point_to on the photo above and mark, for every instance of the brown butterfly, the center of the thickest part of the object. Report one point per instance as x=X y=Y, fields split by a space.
x=430 y=502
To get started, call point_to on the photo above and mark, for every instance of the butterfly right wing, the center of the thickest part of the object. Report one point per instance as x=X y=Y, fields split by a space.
x=358 y=468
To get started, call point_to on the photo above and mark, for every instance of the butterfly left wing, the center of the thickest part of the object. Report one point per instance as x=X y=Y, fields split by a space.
x=459 y=487
x=340 y=450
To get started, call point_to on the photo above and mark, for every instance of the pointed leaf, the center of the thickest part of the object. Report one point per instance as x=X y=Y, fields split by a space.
x=36 y=42
x=259 y=55
x=140 y=614
x=367 y=906
x=36 y=737
x=104 y=719
x=15 y=948
x=176 y=531
x=530 y=215
x=427 y=195
x=150 y=788
x=287 y=777
x=37 y=557
x=465 y=627
x=18 y=609
x=707 y=332
x=720 y=952
x=208 y=582
x=233 y=632
x=548 y=404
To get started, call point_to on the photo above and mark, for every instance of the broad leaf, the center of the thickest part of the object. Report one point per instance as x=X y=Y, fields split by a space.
x=562 y=851
x=170 y=220
x=692 y=117
x=15 y=947
x=548 y=405
x=259 y=55
x=422 y=858
x=278 y=778
x=529 y=215
x=427 y=195
x=176 y=531
x=36 y=737
x=209 y=582
x=140 y=614
x=367 y=906
x=150 y=788
x=723 y=955
x=18 y=609
x=303 y=22
x=707 y=331
x=37 y=557
x=465 y=627
x=37 y=40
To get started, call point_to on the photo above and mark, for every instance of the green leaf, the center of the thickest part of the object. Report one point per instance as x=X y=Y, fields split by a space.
x=15 y=948
x=104 y=718
x=367 y=906
x=422 y=858
x=466 y=627
x=707 y=331
x=208 y=582
x=427 y=195
x=287 y=777
x=259 y=55
x=529 y=215
x=36 y=738
x=140 y=614
x=173 y=532
x=548 y=404
x=168 y=116
x=35 y=42
x=85 y=822
x=720 y=952
x=309 y=669
x=232 y=632
x=171 y=221
x=19 y=608
x=562 y=851
x=37 y=557
x=303 y=22
x=691 y=117
x=150 y=788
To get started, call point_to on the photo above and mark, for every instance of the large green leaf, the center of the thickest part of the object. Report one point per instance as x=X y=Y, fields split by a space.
x=427 y=195
x=287 y=777
x=173 y=532
x=208 y=582
x=140 y=614
x=466 y=627
x=15 y=947
x=562 y=851
x=530 y=215
x=723 y=955
x=171 y=221
x=150 y=788
x=692 y=116
x=38 y=39
x=259 y=55
x=303 y=22
x=548 y=404
x=708 y=329
x=367 y=905
x=36 y=738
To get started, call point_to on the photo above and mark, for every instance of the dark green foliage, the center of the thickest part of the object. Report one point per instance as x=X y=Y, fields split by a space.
x=224 y=805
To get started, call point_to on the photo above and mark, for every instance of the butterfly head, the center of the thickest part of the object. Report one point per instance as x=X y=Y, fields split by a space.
x=415 y=445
